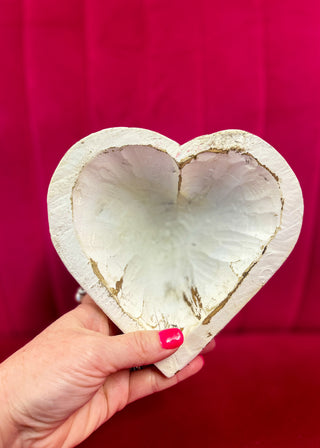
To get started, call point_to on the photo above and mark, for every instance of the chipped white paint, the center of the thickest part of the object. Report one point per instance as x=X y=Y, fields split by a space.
x=165 y=235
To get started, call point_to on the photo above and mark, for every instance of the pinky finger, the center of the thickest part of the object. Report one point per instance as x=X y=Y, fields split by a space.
x=150 y=380
x=209 y=347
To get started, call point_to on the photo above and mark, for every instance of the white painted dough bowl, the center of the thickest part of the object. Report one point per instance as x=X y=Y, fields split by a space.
x=162 y=235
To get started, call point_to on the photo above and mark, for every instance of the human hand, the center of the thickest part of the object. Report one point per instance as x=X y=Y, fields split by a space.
x=75 y=375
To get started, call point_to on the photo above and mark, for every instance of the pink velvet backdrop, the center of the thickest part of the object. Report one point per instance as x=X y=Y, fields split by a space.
x=177 y=67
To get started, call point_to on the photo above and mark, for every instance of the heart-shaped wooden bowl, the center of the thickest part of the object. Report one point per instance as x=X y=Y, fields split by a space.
x=162 y=235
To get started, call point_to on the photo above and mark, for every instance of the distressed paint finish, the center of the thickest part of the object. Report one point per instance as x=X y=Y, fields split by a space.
x=183 y=174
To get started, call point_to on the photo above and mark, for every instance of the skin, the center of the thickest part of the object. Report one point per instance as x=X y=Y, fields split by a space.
x=75 y=375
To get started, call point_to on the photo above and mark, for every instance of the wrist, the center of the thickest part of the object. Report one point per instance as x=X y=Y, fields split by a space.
x=9 y=434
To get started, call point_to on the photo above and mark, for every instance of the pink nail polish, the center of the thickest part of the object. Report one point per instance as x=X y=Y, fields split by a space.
x=171 y=338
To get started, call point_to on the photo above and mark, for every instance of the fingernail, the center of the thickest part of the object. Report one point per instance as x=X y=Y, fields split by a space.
x=171 y=338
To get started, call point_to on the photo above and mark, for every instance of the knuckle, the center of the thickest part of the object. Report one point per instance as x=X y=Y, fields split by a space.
x=153 y=384
x=142 y=346
x=157 y=382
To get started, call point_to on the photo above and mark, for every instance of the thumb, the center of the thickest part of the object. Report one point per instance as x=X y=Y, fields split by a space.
x=141 y=348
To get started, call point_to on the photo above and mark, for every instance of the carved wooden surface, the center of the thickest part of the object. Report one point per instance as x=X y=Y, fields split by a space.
x=164 y=235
